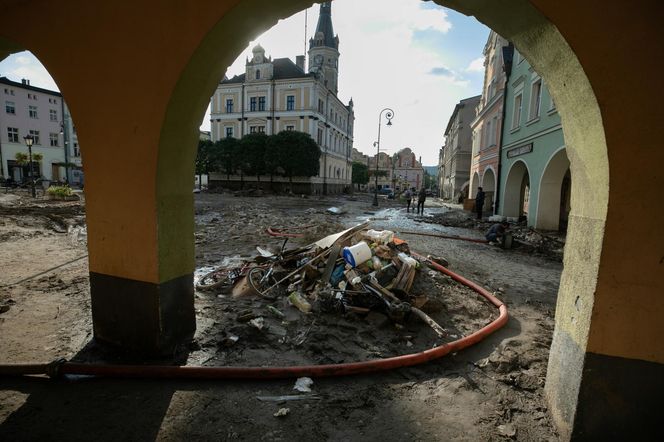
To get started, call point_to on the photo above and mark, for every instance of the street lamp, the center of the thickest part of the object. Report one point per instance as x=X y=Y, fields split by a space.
x=28 y=142
x=389 y=115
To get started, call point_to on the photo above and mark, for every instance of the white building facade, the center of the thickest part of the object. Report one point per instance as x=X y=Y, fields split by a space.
x=41 y=113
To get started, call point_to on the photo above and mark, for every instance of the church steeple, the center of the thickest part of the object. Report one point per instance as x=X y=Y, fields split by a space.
x=324 y=49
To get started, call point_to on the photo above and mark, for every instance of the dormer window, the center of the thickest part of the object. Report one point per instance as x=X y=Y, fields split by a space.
x=258 y=74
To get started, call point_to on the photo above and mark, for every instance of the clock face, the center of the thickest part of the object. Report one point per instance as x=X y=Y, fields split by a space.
x=318 y=58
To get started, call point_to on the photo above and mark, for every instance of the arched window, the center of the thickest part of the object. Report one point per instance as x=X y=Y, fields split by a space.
x=258 y=74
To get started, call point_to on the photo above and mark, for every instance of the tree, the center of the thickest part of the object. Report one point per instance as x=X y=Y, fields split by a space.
x=252 y=154
x=295 y=153
x=224 y=156
x=360 y=174
x=203 y=159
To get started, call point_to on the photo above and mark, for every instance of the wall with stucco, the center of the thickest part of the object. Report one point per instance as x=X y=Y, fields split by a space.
x=610 y=302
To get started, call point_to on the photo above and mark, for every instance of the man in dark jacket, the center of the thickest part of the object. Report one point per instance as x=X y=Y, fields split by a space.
x=479 y=202
x=496 y=233
x=421 y=197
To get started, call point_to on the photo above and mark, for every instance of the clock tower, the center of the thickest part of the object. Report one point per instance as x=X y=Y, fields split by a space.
x=324 y=50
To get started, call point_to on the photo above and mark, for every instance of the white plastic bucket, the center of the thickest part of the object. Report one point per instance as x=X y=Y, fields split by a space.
x=357 y=254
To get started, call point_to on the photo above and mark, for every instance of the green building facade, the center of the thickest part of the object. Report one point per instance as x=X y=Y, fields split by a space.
x=534 y=169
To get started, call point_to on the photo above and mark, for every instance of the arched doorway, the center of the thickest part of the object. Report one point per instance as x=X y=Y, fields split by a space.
x=474 y=185
x=489 y=187
x=516 y=194
x=553 y=199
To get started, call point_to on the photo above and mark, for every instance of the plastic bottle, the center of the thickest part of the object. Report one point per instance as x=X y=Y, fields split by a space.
x=297 y=300
x=376 y=263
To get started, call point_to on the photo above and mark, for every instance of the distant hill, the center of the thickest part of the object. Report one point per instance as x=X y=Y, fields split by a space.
x=431 y=170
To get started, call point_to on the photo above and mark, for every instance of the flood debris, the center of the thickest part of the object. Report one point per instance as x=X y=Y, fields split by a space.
x=303 y=385
x=282 y=412
x=359 y=271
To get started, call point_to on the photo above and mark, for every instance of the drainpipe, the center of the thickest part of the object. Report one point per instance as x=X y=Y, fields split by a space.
x=65 y=140
x=327 y=109
x=242 y=113
x=2 y=167
x=273 y=106
x=508 y=53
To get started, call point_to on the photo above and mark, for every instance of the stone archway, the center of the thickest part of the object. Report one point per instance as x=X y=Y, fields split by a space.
x=516 y=191
x=489 y=187
x=550 y=191
x=474 y=184
x=141 y=242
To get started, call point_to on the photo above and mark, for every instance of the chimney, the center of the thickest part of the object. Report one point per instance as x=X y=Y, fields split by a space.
x=25 y=81
x=299 y=61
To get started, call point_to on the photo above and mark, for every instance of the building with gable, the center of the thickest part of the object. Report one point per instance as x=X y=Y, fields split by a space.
x=275 y=95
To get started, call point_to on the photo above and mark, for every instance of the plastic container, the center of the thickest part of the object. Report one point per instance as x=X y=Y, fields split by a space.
x=357 y=254
x=407 y=259
x=377 y=264
x=379 y=236
x=299 y=302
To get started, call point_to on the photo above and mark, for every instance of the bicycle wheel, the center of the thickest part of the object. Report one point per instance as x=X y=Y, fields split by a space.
x=259 y=280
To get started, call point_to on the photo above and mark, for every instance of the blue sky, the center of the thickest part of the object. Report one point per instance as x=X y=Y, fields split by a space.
x=415 y=57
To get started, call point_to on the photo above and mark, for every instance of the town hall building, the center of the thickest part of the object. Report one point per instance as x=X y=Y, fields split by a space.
x=276 y=95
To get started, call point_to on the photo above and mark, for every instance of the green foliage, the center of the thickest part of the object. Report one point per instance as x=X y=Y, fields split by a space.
x=203 y=157
x=360 y=173
x=252 y=154
x=292 y=153
x=429 y=180
x=37 y=157
x=60 y=191
x=21 y=158
x=225 y=156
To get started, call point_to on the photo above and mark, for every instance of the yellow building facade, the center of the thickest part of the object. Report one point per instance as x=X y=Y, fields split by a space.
x=276 y=95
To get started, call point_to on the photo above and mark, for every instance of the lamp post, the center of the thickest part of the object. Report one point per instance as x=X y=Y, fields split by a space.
x=389 y=115
x=28 y=142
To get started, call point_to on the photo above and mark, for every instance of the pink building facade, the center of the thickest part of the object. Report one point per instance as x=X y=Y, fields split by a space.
x=488 y=123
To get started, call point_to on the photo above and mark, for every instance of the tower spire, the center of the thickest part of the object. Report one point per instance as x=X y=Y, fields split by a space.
x=324 y=31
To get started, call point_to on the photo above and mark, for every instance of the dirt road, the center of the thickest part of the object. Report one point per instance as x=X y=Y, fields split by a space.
x=491 y=391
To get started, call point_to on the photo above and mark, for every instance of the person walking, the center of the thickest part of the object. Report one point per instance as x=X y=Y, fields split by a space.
x=479 y=202
x=421 y=197
x=409 y=198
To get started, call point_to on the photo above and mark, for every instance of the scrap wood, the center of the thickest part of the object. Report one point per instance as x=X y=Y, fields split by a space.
x=331 y=261
x=440 y=331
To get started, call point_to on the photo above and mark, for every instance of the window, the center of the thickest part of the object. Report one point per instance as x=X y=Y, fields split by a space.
x=492 y=135
x=30 y=96
x=53 y=114
x=535 y=98
x=35 y=136
x=320 y=137
x=290 y=127
x=53 y=137
x=290 y=102
x=229 y=106
x=261 y=103
x=258 y=74
x=320 y=106
x=516 y=112
x=229 y=132
x=487 y=134
x=252 y=104
x=10 y=107
x=12 y=134
x=256 y=129
x=53 y=101
x=32 y=110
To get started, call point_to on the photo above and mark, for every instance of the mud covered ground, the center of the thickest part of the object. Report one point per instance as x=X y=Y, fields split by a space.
x=492 y=391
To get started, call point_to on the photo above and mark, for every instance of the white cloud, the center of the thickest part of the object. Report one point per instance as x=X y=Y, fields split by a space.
x=25 y=65
x=380 y=67
x=476 y=65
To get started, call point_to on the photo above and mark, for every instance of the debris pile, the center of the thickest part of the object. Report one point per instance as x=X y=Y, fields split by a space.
x=363 y=281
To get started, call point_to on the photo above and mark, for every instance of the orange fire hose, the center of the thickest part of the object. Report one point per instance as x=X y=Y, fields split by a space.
x=62 y=367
